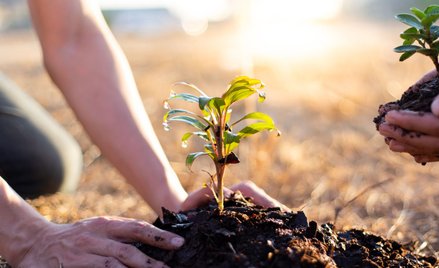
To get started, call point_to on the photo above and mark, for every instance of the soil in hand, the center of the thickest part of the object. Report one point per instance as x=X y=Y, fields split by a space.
x=417 y=98
x=246 y=235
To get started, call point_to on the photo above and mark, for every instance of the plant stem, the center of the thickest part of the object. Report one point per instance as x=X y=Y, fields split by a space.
x=220 y=175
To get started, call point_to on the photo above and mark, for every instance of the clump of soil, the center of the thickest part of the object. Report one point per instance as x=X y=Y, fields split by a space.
x=417 y=98
x=3 y=263
x=246 y=235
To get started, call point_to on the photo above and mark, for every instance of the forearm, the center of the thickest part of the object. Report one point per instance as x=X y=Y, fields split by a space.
x=94 y=76
x=19 y=223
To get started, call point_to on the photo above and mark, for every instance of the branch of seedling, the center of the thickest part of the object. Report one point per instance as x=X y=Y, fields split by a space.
x=214 y=126
x=422 y=31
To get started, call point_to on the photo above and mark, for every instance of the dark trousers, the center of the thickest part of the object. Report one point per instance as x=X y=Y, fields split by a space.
x=37 y=156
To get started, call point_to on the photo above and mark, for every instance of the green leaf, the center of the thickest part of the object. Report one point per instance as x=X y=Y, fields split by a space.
x=231 y=141
x=434 y=31
x=191 y=158
x=419 y=13
x=432 y=10
x=411 y=33
x=435 y=45
x=254 y=128
x=407 y=48
x=203 y=100
x=410 y=20
x=238 y=93
x=200 y=134
x=189 y=120
x=408 y=42
x=241 y=88
x=190 y=86
x=406 y=55
x=428 y=21
x=177 y=111
x=257 y=116
x=208 y=148
x=184 y=96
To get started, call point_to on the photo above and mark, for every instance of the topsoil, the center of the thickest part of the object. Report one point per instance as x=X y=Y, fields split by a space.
x=246 y=235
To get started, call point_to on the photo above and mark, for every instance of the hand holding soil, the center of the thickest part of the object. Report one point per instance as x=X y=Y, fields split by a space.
x=96 y=242
x=413 y=133
x=411 y=125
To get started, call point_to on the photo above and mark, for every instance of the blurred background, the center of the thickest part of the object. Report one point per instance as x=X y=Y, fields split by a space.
x=327 y=65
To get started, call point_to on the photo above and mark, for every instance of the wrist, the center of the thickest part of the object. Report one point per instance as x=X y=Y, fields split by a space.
x=26 y=233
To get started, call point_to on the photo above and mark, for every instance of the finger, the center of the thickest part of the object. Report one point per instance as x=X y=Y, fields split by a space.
x=196 y=199
x=426 y=123
x=130 y=230
x=260 y=197
x=414 y=143
x=124 y=253
x=426 y=158
x=92 y=261
x=399 y=147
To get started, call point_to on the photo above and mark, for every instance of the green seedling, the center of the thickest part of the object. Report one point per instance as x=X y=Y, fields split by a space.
x=213 y=125
x=422 y=36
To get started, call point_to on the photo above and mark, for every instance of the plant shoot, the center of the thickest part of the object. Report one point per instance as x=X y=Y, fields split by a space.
x=422 y=36
x=213 y=125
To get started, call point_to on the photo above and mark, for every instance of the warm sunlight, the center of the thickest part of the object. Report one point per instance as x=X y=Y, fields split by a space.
x=289 y=28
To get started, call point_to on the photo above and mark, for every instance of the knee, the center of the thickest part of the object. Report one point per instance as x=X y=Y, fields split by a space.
x=44 y=170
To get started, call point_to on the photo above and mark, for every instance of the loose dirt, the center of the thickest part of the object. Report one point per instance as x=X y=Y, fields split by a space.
x=246 y=235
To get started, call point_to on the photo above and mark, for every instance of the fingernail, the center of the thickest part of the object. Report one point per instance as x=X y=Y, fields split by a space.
x=177 y=241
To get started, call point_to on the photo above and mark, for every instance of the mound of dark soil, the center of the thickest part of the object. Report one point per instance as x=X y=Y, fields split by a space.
x=246 y=235
x=417 y=98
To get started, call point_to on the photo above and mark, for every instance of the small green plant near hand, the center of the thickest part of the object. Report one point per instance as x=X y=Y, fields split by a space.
x=423 y=31
x=214 y=125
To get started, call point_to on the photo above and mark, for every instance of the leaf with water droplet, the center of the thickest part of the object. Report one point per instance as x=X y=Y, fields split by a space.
x=166 y=126
x=166 y=105
x=184 y=144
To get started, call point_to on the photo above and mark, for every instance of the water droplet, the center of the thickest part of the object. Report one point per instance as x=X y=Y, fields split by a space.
x=184 y=144
x=166 y=126
x=172 y=94
x=166 y=105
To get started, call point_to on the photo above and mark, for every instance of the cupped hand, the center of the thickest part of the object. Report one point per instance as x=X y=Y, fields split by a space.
x=97 y=242
x=202 y=196
x=413 y=133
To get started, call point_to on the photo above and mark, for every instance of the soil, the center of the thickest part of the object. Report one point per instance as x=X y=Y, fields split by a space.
x=417 y=98
x=246 y=235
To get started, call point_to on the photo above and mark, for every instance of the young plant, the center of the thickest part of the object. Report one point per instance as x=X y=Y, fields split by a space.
x=214 y=125
x=423 y=32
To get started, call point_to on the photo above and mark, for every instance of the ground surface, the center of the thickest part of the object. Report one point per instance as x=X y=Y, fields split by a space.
x=329 y=162
x=245 y=235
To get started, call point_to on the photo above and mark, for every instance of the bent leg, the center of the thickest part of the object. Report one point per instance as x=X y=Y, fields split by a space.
x=37 y=156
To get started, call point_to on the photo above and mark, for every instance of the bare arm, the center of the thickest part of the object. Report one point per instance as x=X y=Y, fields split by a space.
x=86 y=63
x=29 y=240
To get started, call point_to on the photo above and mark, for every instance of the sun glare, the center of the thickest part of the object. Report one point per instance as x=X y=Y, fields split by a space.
x=289 y=28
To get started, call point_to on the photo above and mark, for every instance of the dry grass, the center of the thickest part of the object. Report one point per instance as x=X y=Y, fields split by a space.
x=329 y=152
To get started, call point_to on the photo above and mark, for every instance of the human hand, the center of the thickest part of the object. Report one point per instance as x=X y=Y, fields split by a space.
x=260 y=197
x=96 y=242
x=413 y=132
